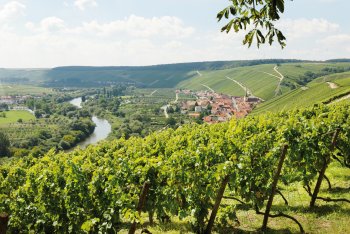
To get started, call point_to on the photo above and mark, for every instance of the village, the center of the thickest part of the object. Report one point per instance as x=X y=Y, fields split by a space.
x=15 y=102
x=214 y=108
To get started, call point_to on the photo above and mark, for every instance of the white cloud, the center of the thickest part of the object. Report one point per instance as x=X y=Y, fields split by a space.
x=337 y=39
x=132 y=27
x=131 y=41
x=49 y=24
x=337 y=42
x=137 y=26
x=299 y=28
x=137 y=40
x=327 y=1
x=11 y=10
x=83 y=4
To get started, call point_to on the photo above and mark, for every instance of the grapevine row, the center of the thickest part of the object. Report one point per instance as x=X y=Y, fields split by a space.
x=187 y=172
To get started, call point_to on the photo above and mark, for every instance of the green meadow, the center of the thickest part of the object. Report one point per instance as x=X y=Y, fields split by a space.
x=14 y=116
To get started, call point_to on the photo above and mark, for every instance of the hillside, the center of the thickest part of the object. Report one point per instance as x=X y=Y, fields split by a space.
x=261 y=80
x=23 y=76
x=280 y=83
x=157 y=76
x=317 y=91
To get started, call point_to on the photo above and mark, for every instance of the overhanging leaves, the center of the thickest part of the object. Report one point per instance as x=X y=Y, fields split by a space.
x=260 y=15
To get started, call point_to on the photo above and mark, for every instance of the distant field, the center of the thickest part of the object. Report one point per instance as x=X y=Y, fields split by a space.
x=9 y=89
x=318 y=91
x=13 y=116
x=156 y=92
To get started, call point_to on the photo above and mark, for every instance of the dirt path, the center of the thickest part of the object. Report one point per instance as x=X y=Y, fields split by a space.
x=177 y=98
x=153 y=92
x=208 y=88
x=165 y=109
x=332 y=85
x=276 y=70
x=249 y=92
x=340 y=99
x=200 y=74
x=280 y=77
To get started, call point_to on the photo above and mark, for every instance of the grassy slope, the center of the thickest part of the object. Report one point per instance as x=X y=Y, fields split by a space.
x=13 y=116
x=294 y=70
x=260 y=84
x=10 y=89
x=318 y=91
x=253 y=77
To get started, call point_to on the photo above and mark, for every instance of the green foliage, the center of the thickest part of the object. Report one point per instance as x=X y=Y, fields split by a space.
x=310 y=76
x=59 y=125
x=261 y=14
x=171 y=121
x=4 y=145
x=227 y=217
x=96 y=189
x=4 y=107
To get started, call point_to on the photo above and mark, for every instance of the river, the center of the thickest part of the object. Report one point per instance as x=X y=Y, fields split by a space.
x=102 y=129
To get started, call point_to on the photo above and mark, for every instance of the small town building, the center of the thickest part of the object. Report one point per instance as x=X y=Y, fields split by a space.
x=198 y=109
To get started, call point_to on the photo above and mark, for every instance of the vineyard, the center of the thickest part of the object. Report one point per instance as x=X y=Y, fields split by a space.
x=181 y=174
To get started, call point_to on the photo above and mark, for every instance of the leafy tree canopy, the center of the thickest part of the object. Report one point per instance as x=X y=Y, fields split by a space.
x=258 y=16
x=4 y=145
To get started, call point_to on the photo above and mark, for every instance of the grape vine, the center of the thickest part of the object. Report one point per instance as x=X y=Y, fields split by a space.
x=187 y=172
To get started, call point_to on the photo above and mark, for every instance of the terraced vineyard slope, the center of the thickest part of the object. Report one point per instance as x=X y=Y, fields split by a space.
x=322 y=89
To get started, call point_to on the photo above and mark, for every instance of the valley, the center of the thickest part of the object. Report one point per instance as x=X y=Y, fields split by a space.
x=133 y=108
x=132 y=126
x=174 y=117
x=139 y=100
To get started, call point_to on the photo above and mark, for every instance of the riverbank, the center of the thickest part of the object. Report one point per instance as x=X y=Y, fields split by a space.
x=102 y=130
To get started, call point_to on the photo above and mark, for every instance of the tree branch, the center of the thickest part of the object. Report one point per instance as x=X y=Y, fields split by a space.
x=236 y=199
x=328 y=182
x=326 y=199
x=283 y=197
x=280 y=214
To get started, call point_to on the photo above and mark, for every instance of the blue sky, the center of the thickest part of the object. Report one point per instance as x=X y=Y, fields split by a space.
x=42 y=33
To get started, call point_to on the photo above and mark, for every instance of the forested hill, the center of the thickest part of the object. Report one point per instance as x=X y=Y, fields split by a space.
x=181 y=75
x=157 y=76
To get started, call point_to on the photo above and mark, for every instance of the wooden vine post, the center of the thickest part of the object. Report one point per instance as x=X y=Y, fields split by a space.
x=4 y=219
x=274 y=186
x=323 y=170
x=140 y=205
x=217 y=205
